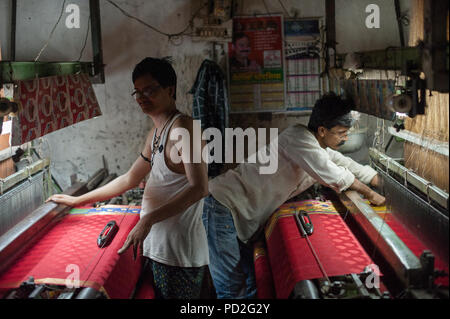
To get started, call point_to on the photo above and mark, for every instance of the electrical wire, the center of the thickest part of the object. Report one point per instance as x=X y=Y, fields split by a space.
x=85 y=38
x=284 y=8
x=51 y=33
x=267 y=9
x=169 y=35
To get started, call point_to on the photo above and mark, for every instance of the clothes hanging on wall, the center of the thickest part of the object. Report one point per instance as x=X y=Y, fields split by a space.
x=210 y=103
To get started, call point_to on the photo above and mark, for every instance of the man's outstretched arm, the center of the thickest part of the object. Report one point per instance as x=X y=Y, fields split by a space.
x=118 y=186
x=367 y=192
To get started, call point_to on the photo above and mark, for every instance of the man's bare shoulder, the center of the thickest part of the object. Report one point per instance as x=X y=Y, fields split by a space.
x=184 y=121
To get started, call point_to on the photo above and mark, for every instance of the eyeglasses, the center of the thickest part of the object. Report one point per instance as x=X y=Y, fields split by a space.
x=147 y=92
x=340 y=135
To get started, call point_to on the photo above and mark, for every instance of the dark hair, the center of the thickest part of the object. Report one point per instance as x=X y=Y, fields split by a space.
x=331 y=110
x=239 y=35
x=160 y=69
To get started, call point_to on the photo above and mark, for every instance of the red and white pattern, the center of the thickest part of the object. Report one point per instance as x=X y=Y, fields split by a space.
x=291 y=258
x=72 y=242
x=52 y=103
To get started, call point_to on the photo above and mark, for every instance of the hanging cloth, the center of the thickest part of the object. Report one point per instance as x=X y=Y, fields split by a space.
x=210 y=104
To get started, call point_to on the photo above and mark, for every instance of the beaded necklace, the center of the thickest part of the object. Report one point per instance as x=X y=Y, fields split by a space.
x=156 y=140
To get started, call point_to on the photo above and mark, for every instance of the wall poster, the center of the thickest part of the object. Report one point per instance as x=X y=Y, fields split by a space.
x=256 y=64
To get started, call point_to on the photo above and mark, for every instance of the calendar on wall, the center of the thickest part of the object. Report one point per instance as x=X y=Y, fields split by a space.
x=303 y=45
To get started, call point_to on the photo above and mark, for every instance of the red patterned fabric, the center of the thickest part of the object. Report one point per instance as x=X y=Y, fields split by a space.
x=291 y=259
x=51 y=103
x=264 y=280
x=412 y=242
x=72 y=242
x=145 y=289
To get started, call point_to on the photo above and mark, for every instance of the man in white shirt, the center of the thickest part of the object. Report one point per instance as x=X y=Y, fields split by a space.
x=242 y=200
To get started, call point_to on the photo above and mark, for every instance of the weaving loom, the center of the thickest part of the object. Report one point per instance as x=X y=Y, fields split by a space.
x=45 y=269
x=408 y=237
x=333 y=253
x=416 y=246
x=264 y=280
x=287 y=266
x=20 y=201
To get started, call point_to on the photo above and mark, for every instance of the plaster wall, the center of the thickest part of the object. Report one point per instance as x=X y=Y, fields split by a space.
x=119 y=134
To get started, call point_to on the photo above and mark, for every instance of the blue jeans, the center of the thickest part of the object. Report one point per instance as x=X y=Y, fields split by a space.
x=231 y=261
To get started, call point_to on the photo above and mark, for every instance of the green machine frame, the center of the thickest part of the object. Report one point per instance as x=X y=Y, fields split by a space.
x=12 y=70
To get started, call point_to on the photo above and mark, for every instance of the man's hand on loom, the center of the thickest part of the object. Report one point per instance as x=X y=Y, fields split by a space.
x=376 y=199
x=136 y=237
x=375 y=182
x=64 y=199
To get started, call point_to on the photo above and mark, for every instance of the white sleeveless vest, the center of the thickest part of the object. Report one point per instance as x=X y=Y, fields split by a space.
x=181 y=239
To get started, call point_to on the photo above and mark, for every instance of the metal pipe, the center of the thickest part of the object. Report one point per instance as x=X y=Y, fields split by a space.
x=88 y=293
x=398 y=13
x=36 y=293
x=389 y=143
x=430 y=191
x=306 y=289
x=96 y=36
x=431 y=144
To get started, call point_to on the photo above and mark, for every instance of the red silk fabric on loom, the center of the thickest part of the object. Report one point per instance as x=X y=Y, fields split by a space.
x=265 y=288
x=73 y=241
x=414 y=244
x=51 y=103
x=290 y=256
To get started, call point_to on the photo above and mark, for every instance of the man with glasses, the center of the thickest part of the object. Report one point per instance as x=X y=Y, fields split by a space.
x=243 y=199
x=170 y=233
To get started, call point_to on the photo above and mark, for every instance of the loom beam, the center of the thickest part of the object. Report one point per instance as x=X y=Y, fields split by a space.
x=405 y=264
x=14 y=242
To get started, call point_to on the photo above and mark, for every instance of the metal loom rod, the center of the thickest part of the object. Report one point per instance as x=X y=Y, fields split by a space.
x=427 y=188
